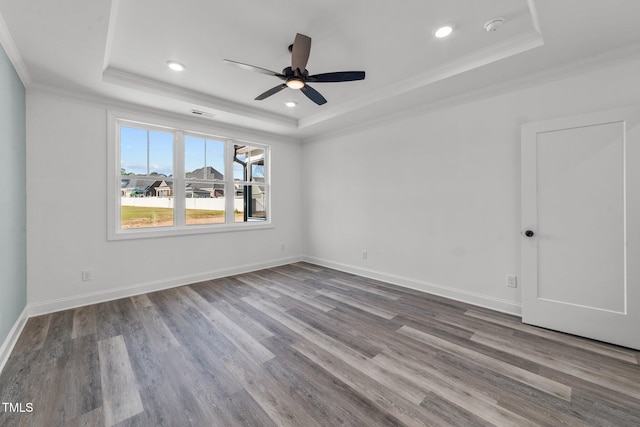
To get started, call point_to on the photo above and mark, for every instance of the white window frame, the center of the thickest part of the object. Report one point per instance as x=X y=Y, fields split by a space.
x=179 y=129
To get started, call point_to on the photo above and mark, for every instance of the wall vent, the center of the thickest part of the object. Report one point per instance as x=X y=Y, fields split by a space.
x=202 y=114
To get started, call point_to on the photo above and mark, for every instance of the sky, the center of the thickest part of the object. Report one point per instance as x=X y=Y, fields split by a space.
x=199 y=152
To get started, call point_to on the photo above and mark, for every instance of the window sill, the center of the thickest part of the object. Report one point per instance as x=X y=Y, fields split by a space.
x=150 y=233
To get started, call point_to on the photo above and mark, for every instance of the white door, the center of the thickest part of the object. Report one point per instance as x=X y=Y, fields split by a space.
x=581 y=225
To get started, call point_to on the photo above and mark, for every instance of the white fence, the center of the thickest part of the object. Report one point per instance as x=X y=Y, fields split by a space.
x=167 y=202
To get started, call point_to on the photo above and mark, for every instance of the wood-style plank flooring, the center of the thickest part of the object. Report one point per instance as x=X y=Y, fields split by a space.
x=302 y=345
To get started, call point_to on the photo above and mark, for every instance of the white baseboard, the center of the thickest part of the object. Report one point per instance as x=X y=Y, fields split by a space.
x=45 y=307
x=480 y=300
x=12 y=338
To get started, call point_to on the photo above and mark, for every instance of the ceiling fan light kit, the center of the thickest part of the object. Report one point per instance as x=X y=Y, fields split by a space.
x=295 y=83
x=297 y=76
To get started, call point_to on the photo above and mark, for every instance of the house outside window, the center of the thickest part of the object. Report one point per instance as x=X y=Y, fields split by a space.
x=168 y=181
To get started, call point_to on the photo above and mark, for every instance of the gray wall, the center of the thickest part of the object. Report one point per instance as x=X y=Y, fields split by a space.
x=13 y=267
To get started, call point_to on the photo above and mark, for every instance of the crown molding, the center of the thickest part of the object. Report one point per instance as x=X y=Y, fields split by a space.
x=113 y=16
x=496 y=52
x=116 y=104
x=156 y=87
x=6 y=40
x=535 y=19
x=123 y=78
x=570 y=69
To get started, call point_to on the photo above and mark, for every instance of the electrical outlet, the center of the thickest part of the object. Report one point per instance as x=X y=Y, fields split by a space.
x=512 y=281
x=282 y=247
x=87 y=275
x=364 y=254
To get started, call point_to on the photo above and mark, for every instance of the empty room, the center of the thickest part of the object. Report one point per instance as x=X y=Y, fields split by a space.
x=320 y=213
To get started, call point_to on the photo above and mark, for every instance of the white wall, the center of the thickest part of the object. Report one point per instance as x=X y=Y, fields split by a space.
x=461 y=168
x=459 y=237
x=66 y=152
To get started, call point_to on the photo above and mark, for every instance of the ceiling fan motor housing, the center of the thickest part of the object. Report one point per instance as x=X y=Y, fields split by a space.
x=296 y=76
x=289 y=72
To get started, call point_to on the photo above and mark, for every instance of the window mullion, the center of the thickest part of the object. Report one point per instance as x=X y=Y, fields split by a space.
x=148 y=153
x=116 y=203
x=229 y=191
x=179 y=212
x=204 y=173
x=267 y=180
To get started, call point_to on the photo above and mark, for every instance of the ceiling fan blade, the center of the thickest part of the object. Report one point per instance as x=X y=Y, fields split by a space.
x=270 y=92
x=253 y=68
x=339 y=76
x=300 y=52
x=313 y=95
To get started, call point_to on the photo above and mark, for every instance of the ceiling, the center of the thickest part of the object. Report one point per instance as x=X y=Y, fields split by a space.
x=119 y=49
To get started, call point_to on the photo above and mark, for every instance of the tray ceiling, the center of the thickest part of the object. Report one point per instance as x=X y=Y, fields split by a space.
x=120 y=48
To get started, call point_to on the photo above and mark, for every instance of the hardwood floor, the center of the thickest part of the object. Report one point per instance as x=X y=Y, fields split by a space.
x=302 y=345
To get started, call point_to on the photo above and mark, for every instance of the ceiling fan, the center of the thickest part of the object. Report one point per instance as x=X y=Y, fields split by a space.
x=296 y=76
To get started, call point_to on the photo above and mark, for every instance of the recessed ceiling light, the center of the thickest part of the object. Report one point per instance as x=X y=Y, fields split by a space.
x=175 y=65
x=290 y=104
x=443 y=31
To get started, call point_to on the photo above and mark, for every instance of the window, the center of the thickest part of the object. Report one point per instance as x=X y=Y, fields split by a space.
x=249 y=183
x=173 y=181
x=204 y=180
x=146 y=172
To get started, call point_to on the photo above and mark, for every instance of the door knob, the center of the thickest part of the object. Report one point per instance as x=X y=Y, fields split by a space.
x=529 y=233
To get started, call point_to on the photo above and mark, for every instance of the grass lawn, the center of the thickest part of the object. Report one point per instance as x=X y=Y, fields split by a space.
x=138 y=217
